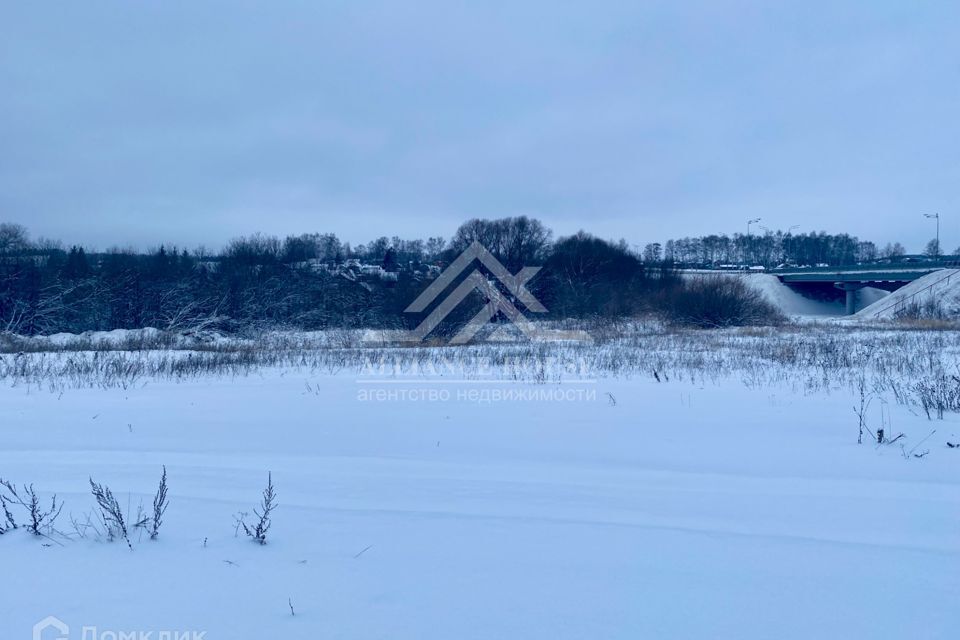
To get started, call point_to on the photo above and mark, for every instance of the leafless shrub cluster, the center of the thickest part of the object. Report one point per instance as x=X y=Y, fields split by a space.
x=928 y=309
x=937 y=394
x=113 y=523
x=809 y=359
x=111 y=515
x=710 y=302
x=109 y=520
x=39 y=519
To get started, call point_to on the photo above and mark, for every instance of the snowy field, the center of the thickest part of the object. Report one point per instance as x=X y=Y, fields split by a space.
x=729 y=499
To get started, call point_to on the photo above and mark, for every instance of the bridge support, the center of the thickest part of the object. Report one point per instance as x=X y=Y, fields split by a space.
x=851 y=289
x=850 y=279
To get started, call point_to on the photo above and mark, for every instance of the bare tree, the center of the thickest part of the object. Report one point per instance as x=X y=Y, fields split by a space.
x=13 y=238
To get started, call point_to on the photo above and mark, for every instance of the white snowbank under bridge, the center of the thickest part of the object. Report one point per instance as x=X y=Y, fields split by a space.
x=791 y=301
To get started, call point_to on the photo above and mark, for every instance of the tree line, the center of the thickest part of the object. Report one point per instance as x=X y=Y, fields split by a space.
x=316 y=281
x=774 y=248
x=309 y=281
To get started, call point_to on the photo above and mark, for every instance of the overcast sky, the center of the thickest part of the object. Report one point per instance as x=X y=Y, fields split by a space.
x=135 y=123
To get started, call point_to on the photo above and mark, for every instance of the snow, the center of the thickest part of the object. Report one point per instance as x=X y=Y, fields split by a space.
x=789 y=301
x=671 y=510
x=793 y=303
x=942 y=285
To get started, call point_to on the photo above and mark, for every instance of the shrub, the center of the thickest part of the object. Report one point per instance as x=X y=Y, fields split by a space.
x=268 y=503
x=110 y=512
x=39 y=519
x=160 y=503
x=709 y=302
x=938 y=394
x=926 y=314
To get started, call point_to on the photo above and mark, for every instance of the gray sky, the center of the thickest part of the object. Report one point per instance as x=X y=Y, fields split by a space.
x=192 y=122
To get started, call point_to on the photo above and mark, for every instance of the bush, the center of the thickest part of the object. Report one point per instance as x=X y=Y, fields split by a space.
x=39 y=520
x=709 y=302
x=937 y=394
x=929 y=309
x=110 y=513
x=160 y=504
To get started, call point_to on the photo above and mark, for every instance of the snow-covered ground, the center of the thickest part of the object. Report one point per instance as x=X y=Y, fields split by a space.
x=621 y=508
x=942 y=287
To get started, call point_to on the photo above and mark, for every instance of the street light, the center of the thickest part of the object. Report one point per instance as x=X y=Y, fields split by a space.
x=792 y=227
x=749 y=246
x=937 y=217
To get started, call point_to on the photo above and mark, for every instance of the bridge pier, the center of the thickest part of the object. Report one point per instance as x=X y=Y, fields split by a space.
x=851 y=289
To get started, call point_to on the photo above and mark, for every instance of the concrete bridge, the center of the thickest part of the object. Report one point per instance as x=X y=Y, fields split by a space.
x=850 y=279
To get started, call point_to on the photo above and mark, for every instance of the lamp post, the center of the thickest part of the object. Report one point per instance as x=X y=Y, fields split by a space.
x=936 y=216
x=750 y=244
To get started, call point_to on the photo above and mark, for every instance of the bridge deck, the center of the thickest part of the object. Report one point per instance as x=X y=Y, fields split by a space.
x=856 y=275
